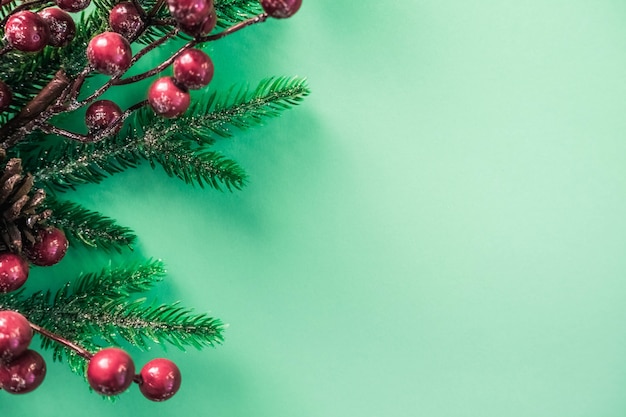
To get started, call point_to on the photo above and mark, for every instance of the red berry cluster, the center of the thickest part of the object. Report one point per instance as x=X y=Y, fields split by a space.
x=21 y=369
x=111 y=371
x=48 y=249
x=28 y=31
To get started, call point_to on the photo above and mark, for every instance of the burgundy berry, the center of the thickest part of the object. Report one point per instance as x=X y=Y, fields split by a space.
x=200 y=29
x=61 y=25
x=6 y=97
x=159 y=379
x=15 y=335
x=109 y=53
x=125 y=19
x=26 y=31
x=101 y=114
x=110 y=371
x=193 y=69
x=23 y=374
x=49 y=248
x=72 y=6
x=168 y=99
x=281 y=9
x=13 y=272
x=190 y=12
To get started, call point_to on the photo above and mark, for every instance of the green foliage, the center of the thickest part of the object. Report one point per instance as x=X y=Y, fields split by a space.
x=101 y=309
x=178 y=145
x=87 y=227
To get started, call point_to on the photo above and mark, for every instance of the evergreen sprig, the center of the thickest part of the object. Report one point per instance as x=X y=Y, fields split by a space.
x=178 y=145
x=88 y=227
x=99 y=307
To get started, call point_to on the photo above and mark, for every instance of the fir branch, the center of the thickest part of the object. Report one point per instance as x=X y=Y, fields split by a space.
x=230 y=12
x=98 y=308
x=88 y=227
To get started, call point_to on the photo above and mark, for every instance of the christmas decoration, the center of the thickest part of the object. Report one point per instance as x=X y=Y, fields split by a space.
x=49 y=51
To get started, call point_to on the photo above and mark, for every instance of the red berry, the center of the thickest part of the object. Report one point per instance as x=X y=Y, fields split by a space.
x=160 y=379
x=200 y=29
x=13 y=272
x=26 y=31
x=101 y=114
x=193 y=69
x=61 y=25
x=109 y=53
x=72 y=6
x=6 y=97
x=190 y=12
x=125 y=19
x=281 y=9
x=15 y=334
x=167 y=99
x=23 y=374
x=110 y=371
x=49 y=248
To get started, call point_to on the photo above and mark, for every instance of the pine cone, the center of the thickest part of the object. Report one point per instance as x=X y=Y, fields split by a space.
x=19 y=217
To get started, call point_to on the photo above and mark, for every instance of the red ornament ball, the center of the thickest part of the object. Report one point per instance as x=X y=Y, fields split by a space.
x=110 y=371
x=109 y=53
x=101 y=114
x=73 y=6
x=190 y=12
x=6 y=97
x=167 y=99
x=281 y=9
x=49 y=248
x=13 y=272
x=160 y=379
x=193 y=69
x=61 y=25
x=23 y=374
x=125 y=19
x=26 y=31
x=15 y=335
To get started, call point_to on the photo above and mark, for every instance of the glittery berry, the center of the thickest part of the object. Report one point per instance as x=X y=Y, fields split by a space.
x=190 y=12
x=6 y=97
x=193 y=69
x=168 y=99
x=49 y=247
x=23 y=374
x=13 y=272
x=281 y=9
x=73 y=6
x=125 y=19
x=202 y=28
x=110 y=371
x=109 y=53
x=61 y=25
x=159 y=379
x=26 y=31
x=101 y=114
x=15 y=335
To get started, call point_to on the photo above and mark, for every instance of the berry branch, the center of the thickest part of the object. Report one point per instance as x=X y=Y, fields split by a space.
x=43 y=73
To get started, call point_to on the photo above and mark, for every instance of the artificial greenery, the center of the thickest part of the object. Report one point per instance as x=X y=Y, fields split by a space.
x=107 y=307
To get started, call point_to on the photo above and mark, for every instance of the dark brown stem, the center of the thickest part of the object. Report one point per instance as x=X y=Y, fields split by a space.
x=95 y=136
x=156 y=8
x=6 y=48
x=249 y=22
x=42 y=101
x=80 y=351
x=115 y=80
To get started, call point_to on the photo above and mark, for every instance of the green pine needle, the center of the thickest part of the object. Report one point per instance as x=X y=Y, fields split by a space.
x=87 y=227
x=99 y=309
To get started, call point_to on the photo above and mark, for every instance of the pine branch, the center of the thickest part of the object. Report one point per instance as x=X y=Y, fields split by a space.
x=98 y=308
x=230 y=12
x=169 y=142
x=88 y=227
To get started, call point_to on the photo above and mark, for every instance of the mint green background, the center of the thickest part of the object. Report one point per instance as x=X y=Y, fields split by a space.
x=438 y=231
